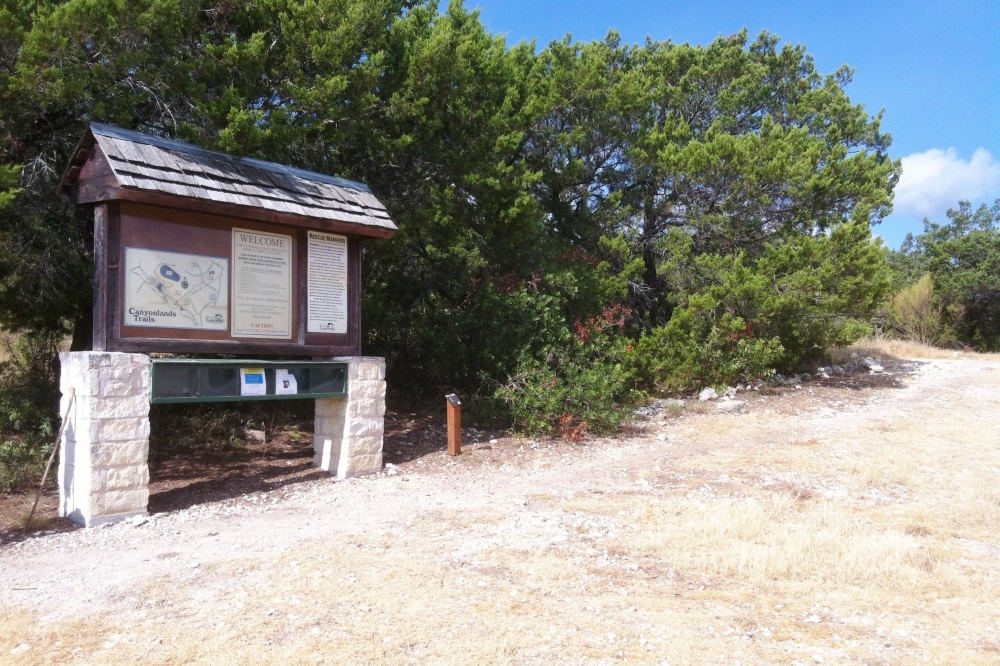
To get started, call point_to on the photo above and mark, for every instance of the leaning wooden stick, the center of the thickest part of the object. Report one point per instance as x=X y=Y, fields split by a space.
x=48 y=465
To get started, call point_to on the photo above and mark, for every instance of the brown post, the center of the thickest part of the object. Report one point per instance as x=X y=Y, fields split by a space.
x=454 y=425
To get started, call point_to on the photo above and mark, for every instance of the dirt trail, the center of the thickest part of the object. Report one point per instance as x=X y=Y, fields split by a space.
x=827 y=524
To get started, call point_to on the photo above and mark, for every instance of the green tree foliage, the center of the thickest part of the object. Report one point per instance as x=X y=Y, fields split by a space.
x=963 y=257
x=720 y=195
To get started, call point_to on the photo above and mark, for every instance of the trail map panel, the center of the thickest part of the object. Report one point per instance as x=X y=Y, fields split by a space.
x=262 y=284
x=174 y=290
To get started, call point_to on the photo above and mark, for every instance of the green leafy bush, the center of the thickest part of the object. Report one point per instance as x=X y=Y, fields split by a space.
x=22 y=461
x=586 y=385
x=694 y=351
x=738 y=318
x=28 y=401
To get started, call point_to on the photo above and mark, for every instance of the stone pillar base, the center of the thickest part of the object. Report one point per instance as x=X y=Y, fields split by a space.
x=348 y=431
x=103 y=475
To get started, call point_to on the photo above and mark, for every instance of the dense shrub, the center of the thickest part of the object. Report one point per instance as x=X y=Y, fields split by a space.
x=28 y=402
x=737 y=318
x=963 y=259
x=586 y=383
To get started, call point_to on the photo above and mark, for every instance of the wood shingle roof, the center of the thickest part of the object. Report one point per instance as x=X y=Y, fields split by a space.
x=113 y=163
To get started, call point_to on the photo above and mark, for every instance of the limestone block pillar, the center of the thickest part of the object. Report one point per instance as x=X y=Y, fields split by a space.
x=348 y=431
x=103 y=476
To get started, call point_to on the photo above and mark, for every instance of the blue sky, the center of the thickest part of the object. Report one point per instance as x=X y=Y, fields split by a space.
x=933 y=66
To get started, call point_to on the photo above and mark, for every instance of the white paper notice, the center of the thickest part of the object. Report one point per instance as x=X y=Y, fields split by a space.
x=252 y=381
x=284 y=383
x=327 y=283
x=262 y=285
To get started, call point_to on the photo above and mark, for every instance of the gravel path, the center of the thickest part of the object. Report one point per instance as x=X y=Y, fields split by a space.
x=519 y=483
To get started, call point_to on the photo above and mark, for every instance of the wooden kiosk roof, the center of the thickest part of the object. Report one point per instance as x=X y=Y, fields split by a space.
x=111 y=163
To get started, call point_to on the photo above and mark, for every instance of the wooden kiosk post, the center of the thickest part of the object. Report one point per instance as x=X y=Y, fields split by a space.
x=206 y=253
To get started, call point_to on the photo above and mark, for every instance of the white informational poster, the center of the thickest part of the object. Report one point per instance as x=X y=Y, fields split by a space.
x=262 y=285
x=252 y=381
x=284 y=383
x=327 y=283
x=174 y=290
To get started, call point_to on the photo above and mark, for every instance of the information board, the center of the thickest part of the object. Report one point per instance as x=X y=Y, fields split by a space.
x=186 y=282
x=175 y=290
x=327 y=283
x=262 y=285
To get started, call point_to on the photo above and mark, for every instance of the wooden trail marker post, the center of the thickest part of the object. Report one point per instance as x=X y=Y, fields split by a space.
x=454 y=425
x=199 y=252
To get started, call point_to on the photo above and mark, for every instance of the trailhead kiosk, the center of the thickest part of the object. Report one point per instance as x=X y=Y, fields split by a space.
x=200 y=252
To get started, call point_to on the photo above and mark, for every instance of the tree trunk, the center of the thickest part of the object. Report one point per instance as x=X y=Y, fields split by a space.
x=650 y=275
x=83 y=328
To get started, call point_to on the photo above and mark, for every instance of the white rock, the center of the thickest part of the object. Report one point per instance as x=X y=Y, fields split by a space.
x=707 y=394
x=874 y=365
x=813 y=619
x=251 y=435
x=730 y=392
x=732 y=406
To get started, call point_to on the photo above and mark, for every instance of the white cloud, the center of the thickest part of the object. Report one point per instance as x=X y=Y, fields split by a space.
x=935 y=180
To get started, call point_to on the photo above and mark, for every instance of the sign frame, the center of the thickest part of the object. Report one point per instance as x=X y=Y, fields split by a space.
x=119 y=224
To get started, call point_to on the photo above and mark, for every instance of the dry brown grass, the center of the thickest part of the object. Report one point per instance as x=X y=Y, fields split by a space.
x=884 y=347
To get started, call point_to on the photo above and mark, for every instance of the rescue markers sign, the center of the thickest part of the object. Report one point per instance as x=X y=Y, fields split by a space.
x=262 y=285
x=327 y=283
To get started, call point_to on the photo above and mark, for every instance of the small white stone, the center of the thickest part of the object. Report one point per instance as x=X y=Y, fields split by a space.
x=732 y=406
